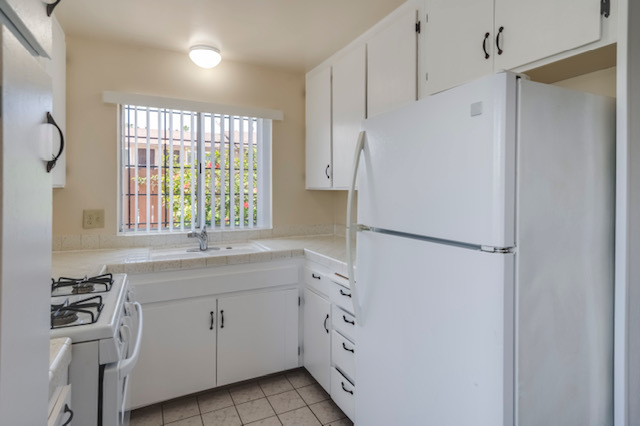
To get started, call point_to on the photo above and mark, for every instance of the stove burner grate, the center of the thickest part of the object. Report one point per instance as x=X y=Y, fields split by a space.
x=67 y=314
x=98 y=284
x=63 y=317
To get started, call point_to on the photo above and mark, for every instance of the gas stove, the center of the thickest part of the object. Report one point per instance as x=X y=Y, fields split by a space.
x=104 y=322
x=88 y=309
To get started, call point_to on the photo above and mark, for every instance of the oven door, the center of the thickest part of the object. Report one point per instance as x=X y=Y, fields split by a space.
x=115 y=382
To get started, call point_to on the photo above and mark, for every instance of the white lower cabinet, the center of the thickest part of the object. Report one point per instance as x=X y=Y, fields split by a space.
x=61 y=413
x=196 y=344
x=344 y=322
x=317 y=337
x=178 y=353
x=257 y=334
x=343 y=393
x=343 y=355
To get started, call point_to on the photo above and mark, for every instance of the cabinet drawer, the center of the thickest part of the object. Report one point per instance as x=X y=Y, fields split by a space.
x=317 y=280
x=343 y=322
x=343 y=355
x=341 y=296
x=342 y=393
x=61 y=411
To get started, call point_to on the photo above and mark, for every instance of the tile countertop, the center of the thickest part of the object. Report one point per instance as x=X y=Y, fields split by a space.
x=328 y=250
x=59 y=360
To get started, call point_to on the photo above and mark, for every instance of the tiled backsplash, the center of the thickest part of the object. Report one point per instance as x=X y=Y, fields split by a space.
x=94 y=242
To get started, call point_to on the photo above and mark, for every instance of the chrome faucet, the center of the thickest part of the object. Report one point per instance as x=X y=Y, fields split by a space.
x=202 y=237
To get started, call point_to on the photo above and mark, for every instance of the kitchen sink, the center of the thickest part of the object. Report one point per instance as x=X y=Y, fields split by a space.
x=195 y=252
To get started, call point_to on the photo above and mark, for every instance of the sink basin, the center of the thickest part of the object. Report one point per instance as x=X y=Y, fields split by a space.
x=197 y=249
x=195 y=252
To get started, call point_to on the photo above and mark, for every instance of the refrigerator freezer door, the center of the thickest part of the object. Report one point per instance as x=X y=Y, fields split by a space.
x=443 y=167
x=435 y=346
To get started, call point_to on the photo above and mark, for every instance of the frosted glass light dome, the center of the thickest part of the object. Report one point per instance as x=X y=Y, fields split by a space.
x=205 y=56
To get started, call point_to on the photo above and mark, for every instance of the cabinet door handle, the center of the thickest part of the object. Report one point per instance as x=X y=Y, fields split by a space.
x=500 y=30
x=70 y=411
x=211 y=326
x=484 y=46
x=347 y=321
x=345 y=389
x=344 y=294
x=50 y=8
x=317 y=277
x=346 y=348
x=325 y=324
x=221 y=319
x=52 y=163
x=326 y=172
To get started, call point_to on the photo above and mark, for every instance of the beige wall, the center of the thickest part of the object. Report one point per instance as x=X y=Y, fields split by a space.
x=601 y=82
x=93 y=67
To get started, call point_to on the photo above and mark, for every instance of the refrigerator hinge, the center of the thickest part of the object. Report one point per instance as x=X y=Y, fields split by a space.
x=499 y=250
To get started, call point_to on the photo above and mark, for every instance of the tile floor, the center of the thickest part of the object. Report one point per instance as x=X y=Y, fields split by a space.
x=293 y=398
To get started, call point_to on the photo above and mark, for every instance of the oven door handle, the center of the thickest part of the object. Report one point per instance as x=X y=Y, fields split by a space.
x=127 y=365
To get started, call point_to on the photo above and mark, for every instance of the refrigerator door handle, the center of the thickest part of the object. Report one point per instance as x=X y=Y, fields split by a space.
x=352 y=228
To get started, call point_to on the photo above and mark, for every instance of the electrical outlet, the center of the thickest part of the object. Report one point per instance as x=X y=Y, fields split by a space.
x=93 y=219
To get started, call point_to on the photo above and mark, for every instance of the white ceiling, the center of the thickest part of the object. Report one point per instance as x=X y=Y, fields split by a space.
x=291 y=34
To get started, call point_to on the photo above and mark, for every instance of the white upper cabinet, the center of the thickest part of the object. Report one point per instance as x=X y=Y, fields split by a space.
x=458 y=42
x=466 y=39
x=30 y=18
x=349 y=109
x=533 y=30
x=375 y=73
x=318 y=128
x=392 y=56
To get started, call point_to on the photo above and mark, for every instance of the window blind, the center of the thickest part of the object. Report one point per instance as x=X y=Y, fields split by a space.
x=183 y=170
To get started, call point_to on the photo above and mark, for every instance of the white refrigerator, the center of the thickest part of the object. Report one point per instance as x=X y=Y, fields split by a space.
x=484 y=286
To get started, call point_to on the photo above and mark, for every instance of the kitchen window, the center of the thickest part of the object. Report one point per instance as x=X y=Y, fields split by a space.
x=204 y=169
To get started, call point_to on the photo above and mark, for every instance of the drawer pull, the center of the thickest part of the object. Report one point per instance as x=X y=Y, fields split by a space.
x=70 y=411
x=345 y=294
x=317 y=277
x=345 y=389
x=347 y=321
x=346 y=348
x=325 y=323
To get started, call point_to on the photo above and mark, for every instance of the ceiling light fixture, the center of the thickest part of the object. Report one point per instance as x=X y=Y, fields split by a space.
x=205 y=56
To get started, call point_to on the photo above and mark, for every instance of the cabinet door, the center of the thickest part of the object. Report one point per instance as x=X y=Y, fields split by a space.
x=317 y=340
x=30 y=18
x=458 y=42
x=392 y=64
x=533 y=30
x=318 y=131
x=257 y=335
x=178 y=353
x=349 y=103
x=58 y=65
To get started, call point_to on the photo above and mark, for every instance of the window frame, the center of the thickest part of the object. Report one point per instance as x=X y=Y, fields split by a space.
x=263 y=159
